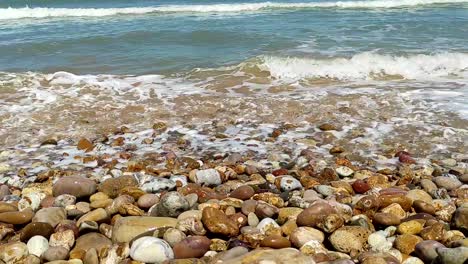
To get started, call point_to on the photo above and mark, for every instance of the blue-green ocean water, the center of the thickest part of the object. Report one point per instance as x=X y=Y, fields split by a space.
x=170 y=36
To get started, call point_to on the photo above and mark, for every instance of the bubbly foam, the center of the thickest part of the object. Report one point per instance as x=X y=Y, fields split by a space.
x=39 y=12
x=368 y=66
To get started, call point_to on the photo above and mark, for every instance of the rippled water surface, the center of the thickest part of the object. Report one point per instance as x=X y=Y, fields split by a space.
x=386 y=72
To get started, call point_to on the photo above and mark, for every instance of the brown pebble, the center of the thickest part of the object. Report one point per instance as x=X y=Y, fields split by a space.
x=243 y=192
x=36 y=229
x=423 y=207
x=85 y=144
x=218 y=223
x=406 y=243
x=18 y=217
x=314 y=214
x=402 y=200
x=360 y=186
x=275 y=241
x=7 y=207
x=386 y=219
x=192 y=247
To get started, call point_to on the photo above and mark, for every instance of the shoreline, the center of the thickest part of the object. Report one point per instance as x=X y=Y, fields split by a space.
x=126 y=192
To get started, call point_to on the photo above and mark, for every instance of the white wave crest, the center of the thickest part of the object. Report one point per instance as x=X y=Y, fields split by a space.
x=40 y=12
x=366 y=66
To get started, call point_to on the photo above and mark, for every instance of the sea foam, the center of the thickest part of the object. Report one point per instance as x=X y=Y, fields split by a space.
x=368 y=65
x=42 y=12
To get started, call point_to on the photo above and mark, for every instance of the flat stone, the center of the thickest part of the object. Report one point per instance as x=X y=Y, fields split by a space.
x=448 y=183
x=284 y=255
x=127 y=228
x=275 y=241
x=18 y=217
x=55 y=253
x=75 y=185
x=88 y=241
x=50 y=215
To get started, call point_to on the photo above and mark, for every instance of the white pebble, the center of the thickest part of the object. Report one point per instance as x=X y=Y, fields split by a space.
x=151 y=250
x=344 y=171
x=37 y=245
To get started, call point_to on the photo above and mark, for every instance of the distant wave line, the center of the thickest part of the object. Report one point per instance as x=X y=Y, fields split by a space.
x=43 y=12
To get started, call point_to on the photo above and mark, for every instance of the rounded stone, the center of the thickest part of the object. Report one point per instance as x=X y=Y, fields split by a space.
x=171 y=204
x=457 y=255
x=12 y=252
x=75 y=185
x=275 y=241
x=252 y=219
x=113 y=186
x=426 y=250
x=360 y=186
x=265 y=210
x=218 y=223
x=406 y=243
x=173 y=236
x=287 y=213
x=151 y=250
x=192 y=247
x=417 y=194
x=37 y=245
x=55 y=253
x=460 y=218
x=207 y=177
x=267 y=224
x=379 y=243
x=7 y=207
x=314 y=214
x=386 y=219
x=289 y=183
x=147 y=200
x=36 y=229
x=301 y=235
x=64 y=239
x=91 y=240
x=344 y=171
x=18 y=217
x=449 y=183
x=243 y=192
x=127 y=228
x=424 y=207
x=248 y=206
x=50 y=215
x=349 y=238
x=64 y=200
x=412 y=227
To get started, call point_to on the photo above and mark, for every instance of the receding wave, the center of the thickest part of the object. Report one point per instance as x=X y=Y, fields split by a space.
x=40 y=12
x=365 y=66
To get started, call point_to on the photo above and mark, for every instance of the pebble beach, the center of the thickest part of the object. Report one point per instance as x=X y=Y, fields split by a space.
x=115 y=199
x=234 y=132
